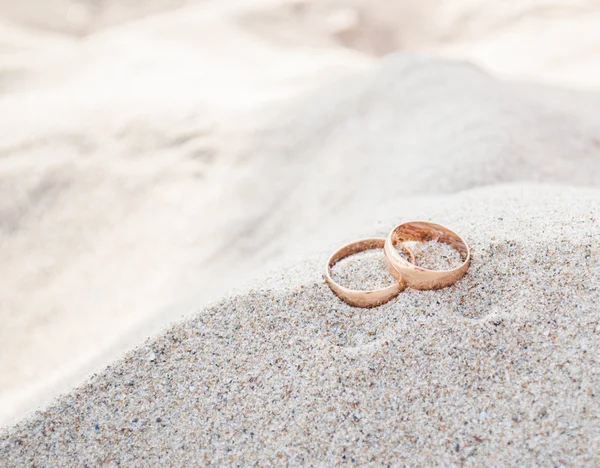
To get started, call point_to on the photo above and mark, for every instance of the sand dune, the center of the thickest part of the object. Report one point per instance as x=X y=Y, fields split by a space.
x=118 y=191
x=498 y=369
x=145 y=154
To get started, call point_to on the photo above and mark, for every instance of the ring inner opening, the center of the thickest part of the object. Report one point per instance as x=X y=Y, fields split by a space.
x=364 y=271
x=434 y=247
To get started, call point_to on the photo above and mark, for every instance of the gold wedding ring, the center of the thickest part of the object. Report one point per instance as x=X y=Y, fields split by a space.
x=359 y=298
x=406 y=272
x=415 y=276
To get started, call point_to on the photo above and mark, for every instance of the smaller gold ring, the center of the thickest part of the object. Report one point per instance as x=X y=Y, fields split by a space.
x=415 y=276
x=359 y=298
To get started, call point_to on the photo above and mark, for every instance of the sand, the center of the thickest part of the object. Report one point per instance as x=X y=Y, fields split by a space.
x=363 y=271
x=368 y=270
x=139 y=162
x=500 y=369
x=114 y=150
x=435 y=255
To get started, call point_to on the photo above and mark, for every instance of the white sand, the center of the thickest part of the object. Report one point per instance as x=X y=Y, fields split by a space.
x=138 y=162
x=367 y=270
x=363 y=271
x=500 y=369
x=435 y=255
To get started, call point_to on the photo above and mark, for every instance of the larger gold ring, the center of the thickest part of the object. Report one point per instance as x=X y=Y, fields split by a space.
x=415 y=276
x=364 y=298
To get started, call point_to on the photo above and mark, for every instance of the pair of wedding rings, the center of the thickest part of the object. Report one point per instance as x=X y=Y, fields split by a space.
x=407 y=272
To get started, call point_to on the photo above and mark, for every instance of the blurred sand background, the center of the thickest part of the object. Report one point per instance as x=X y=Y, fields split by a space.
x=133 y=135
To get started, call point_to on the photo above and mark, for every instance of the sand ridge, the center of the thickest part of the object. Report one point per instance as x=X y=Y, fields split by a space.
x=287 y=169
x=498 y=369
x=138 y=159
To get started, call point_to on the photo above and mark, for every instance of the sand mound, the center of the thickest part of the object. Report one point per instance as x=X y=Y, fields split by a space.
x=501 y=368
x=136 y=161
x=110 y=155
x=408 y=127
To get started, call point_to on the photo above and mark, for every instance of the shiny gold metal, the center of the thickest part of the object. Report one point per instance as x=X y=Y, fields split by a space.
x=364 y=298
x=414 y=276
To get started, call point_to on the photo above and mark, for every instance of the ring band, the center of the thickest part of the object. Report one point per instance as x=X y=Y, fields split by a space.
x=415 y=276
x=359 y=298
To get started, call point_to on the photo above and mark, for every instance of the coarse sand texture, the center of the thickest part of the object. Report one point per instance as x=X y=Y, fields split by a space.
x=499 y=369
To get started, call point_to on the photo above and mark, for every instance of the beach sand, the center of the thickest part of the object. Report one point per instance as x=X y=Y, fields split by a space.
x=146 y=172
x=501 y=368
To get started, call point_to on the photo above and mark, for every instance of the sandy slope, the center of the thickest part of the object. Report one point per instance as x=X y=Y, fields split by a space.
x=499 y=369
x=141 y=153
x=118 y=192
